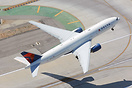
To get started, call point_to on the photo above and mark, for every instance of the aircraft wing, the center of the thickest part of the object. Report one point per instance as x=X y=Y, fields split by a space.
x=83 y=54
x=61 y=34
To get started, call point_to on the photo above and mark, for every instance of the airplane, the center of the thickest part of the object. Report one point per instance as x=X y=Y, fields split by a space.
x=77 y=42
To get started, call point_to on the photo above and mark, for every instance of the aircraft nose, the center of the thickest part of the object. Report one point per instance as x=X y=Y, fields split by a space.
x=117 y=18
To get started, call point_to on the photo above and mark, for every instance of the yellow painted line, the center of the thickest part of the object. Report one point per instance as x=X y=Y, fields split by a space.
x=73 y=22
x=21 y=4
x=78 y=19
x=110 y=69
x=113 y=59
x=38 y=9
x=90 y=74
x=58 y=13
x=128 y=41
x=117 y=11
x=117 y=67
x=127 y=19
x=107 y=69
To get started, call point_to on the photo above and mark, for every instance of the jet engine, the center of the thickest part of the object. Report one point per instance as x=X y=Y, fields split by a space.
x=95 y=48
x=78 y=30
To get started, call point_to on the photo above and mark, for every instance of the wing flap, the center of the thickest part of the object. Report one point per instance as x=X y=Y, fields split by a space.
x=83 y=54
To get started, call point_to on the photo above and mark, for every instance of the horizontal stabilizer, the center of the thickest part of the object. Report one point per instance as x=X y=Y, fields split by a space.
x=34 y=70
x=28 y=59
x=22 y=60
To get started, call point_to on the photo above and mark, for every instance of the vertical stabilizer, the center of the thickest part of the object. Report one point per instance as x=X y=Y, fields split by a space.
x=28 y=59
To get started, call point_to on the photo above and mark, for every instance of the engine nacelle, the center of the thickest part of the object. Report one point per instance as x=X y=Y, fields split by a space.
x=95 y=48
x=78 y=30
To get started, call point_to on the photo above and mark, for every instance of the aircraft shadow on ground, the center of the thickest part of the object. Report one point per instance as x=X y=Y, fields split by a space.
x=84 y=82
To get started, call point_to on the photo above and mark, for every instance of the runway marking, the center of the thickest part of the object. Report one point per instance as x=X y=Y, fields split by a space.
x=127 y=43
x=18 y=5
x=128 y=20
x=99 y=68
x=114 y=68
x=114 y=64
x=54 y=84
x=113 y=8
x=116 y=39
x=120 y=53
x=48 y=86
x=58 y=13
x=11 y=72
x=38 y=9
x=117 y=11
x=113 y=59
x=24 y=68
x=73 y=22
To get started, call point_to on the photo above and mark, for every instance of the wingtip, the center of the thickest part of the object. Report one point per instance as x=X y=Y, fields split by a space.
x=31 y=21
x=85 y=71
x=34 y=23
x=34 y=76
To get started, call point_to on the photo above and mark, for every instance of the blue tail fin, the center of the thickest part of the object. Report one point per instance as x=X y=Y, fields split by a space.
x=30 y=57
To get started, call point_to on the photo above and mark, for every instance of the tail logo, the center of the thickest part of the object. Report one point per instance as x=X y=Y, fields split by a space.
x=30 y=57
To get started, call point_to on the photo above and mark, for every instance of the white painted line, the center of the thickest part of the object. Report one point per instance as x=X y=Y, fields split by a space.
x=99 y=69
x=11 y=72
x=52 y=84
x=115 y=64
x=115 y=39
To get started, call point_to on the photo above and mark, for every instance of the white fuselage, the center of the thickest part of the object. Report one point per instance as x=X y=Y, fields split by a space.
x=75 y=42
